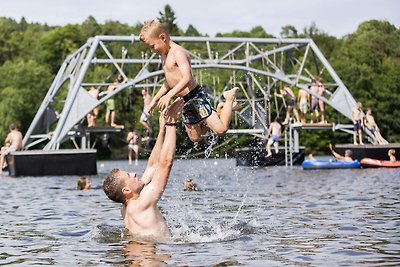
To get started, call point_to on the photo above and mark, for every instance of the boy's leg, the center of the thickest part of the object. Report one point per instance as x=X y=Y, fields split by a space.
x=360 y=136
x=220 y=124
x=276 y=147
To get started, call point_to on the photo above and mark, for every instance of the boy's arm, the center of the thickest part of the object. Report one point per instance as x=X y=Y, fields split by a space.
x=185 y=70
x=163 y=90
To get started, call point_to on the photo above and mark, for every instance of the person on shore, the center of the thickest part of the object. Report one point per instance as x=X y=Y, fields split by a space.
x=303 y=99
x=373 y=127
x=347 y=156
x=140 y=196
x=288 y=93
x=275 y=132
x=392 y=155
x=110 y=103
x=314 y=101
x=83 y=183
x=145 y=117
x=12 y=143
x=198 y=114
x=133 y=147
x=356 y=116
x=93 y=115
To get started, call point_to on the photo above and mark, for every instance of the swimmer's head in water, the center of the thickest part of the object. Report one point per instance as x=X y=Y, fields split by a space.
x=121 y=185
x=83 y=183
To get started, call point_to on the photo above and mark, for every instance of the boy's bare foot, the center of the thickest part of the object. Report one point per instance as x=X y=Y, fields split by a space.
x=268 y=155
x=230 y=94
x=117 y=126
x=361 y=143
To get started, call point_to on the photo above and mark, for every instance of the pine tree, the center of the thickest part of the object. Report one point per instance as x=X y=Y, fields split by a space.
x=168 y=19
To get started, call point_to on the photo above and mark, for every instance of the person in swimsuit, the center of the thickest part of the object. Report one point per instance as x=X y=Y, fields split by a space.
x=371 y=125
x=392 y=155
x=83 y=183
x=288 y=93
x=12 y=143
x=198 y=114
x=145 y=116
x=321 y=103
x=314 y=101
x=347 y=156
x=133 y=147
x=356 y=116
x=275 y=130
x=139 y=196
x=93 y=115
x=110 y=103
x=303 y=99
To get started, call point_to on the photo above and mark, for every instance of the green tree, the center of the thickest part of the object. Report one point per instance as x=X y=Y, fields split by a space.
x=289 y=31
x=23 y=85
x=168 y=19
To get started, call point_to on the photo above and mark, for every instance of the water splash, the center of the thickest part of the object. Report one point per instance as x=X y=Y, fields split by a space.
x=212 y=139
x=189 y=151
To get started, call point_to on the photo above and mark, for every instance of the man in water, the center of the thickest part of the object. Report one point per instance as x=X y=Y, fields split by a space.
x=140 y=196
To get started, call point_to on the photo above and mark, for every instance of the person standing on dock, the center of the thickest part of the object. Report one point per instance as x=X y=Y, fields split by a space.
x=140 y=196
x=288 y=93
x=314 y=101
x=12 y=143
x=321 y=103
x=110 y=103
x=357 y=118
x=92 y=116
x=303 y=99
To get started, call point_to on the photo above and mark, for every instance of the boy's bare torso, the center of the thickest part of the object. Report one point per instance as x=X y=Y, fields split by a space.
x=303 y=95
x=172 y=72
x=14 y=138
x=276 y=129
x=356 y=114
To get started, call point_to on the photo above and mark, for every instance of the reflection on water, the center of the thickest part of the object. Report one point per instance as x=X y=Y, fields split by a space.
x=241 y=217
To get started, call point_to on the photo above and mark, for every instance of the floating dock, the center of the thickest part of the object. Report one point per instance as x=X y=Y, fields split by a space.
x=52 y=162
x=368 y=150
x=253 y=156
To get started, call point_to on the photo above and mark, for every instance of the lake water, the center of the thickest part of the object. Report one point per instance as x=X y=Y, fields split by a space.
x=242 y=216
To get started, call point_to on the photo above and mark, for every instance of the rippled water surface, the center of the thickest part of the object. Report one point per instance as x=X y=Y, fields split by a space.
x=242 y=216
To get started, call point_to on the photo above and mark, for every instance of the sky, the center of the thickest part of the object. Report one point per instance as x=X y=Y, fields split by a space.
x=335 y=17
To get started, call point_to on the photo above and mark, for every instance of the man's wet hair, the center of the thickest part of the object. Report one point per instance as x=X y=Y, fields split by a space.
x=112 y=187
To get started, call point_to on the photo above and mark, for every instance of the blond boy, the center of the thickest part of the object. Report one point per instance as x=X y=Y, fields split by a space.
x=198 y=113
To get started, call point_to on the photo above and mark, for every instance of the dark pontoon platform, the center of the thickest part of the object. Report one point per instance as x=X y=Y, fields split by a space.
x=52 y=162
x=255 y=156
x=368 y=150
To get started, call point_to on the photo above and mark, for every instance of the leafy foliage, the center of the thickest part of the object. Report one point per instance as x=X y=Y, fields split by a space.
x=368 y=62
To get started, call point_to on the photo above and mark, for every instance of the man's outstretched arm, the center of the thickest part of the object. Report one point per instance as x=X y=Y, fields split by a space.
x=155 y=153
x=167 y=153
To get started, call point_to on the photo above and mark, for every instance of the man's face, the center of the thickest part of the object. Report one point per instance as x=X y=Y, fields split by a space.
x=131 y=181
x=157 y=44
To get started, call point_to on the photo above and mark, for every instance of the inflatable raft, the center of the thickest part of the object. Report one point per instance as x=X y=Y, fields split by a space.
x=329 y=164
x=376 y=163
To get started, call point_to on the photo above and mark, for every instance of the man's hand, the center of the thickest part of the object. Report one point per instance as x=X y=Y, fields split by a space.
x=173 y=112
x=149 y=108
x=163 y=102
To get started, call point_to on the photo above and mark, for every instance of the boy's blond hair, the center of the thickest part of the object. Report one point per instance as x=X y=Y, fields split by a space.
x=151 y=28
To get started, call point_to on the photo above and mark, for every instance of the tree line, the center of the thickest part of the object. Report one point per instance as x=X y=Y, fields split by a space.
x=367 y=61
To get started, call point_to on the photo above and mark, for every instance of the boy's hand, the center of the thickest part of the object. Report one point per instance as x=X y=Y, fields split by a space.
x=163 y=102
